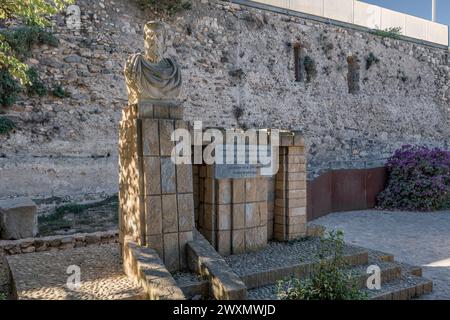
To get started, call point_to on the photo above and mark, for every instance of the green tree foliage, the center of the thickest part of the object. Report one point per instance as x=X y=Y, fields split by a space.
x=29 y=13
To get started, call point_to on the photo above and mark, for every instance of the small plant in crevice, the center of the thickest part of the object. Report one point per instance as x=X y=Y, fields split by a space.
x=2 y=296
x=59 y=92
x=169 y=7
x=238 y=112
x=36 y=86
x=6 y=125
x=328 y=280
x=9 y=88
x=402 y=76
x=310 y=68
x=371 y=59
x=393 y=32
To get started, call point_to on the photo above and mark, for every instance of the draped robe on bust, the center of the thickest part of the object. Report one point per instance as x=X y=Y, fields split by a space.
x=152 y=81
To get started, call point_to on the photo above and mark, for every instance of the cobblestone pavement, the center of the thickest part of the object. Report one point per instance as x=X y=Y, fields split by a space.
x=44 y=275
x=416 y=238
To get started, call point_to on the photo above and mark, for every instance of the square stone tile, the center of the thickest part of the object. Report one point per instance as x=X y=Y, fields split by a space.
x=152 y=175
x=150 y=137
x=224 y=216
x=169 y=213
x=171 y=251
x=166 y=127
x=153 y=215
x=238 y=216
x=238 y=190
x=185 y=212
x=238 y=241
x=184 y=178
x=224 y=242
x=168 y=176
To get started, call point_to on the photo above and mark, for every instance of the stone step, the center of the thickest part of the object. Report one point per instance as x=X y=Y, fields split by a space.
x=280 y=260
x=389 y=272
x=406 y=288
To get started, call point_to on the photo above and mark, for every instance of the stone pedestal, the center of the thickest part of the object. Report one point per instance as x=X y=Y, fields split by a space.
x=233 y=212
x=156 y=195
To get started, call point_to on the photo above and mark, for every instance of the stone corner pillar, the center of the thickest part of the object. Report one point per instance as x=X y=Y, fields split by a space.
x=290 y=189
x=156 y=195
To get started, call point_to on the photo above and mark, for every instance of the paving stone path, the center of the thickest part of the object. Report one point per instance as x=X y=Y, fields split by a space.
x=43 y=275
x=417 y=238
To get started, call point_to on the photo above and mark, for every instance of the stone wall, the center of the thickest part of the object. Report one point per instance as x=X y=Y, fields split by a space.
x=239 y=70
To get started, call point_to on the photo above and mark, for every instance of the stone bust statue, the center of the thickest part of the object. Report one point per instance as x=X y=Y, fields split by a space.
x=150 y=76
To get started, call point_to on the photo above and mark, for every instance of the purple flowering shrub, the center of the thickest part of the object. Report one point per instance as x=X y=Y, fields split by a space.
x=419 y=179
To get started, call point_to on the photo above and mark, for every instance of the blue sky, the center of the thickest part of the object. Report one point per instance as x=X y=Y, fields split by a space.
x=419 y=8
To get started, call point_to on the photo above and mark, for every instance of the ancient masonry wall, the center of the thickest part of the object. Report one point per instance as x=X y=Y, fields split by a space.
x=358 y=96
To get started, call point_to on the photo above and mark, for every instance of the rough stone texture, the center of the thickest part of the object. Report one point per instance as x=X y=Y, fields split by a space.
x=232 y=58
x=18 y=218
x=54 y=243
x=415 y=238
x=43 y=275
x=204 y=260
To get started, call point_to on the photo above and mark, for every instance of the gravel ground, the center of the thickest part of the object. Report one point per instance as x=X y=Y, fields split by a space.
x=415 y=238
x=279 y=254
x=44 y=275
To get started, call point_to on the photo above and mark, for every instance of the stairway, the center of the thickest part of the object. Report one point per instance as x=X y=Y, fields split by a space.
x=262 y=270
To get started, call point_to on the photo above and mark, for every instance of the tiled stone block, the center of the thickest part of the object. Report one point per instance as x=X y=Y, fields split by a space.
x=150 y=137
x=210 y=217
x=238 y=241
x=152 y=176
x=238 y=190
x=166 y=127
x=224 y=216
x=262 y=207
x=252 y=217
x=238 y=216
x=250 y=190
x=224 y=191
x=156 y=242
x=224 y=242
x=169 y=215
x=185 y=212
x=168 y=176
x=171 y=251
x=183 y=239
x=261 y=189
x=184 y=178
x=255 y=238
x=153 y=211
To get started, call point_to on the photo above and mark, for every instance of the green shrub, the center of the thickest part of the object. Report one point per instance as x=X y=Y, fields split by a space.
x=328 y=280
x=36 y=85
x=2 y=296
x=22 y=38
x=419 y=180
x=6 y=125
x=59 y=92
x=371 y=59
x=393 y=32
x=9 y=88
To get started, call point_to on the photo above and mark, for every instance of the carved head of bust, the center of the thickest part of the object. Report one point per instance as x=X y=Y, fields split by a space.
x=155 y=37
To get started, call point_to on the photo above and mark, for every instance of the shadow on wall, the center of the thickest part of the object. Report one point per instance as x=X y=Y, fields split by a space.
x=344 y=190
